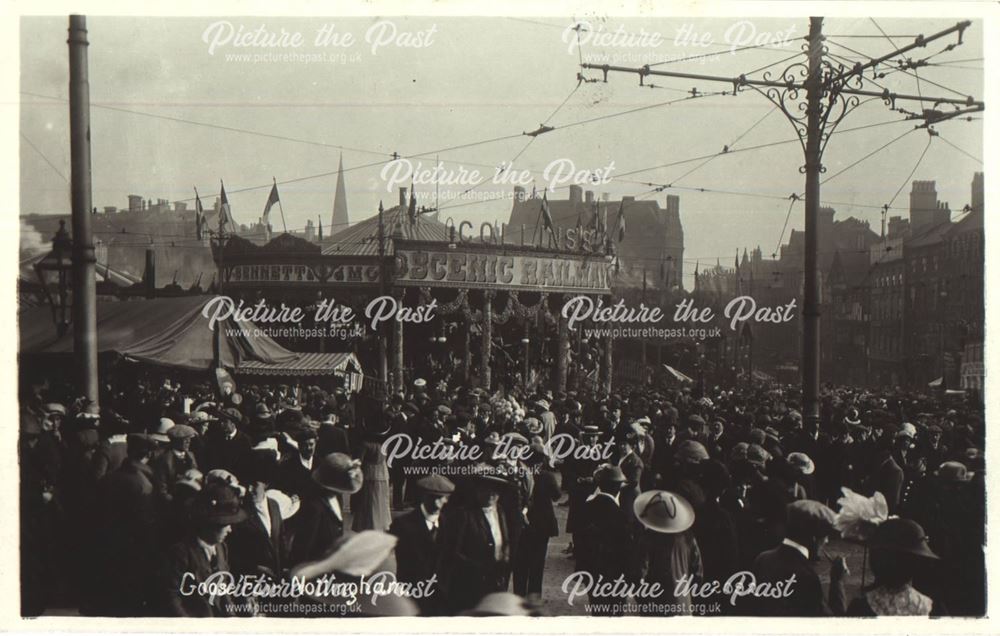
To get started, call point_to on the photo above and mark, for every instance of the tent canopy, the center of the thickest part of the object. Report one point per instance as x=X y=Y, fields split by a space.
x=174 y=332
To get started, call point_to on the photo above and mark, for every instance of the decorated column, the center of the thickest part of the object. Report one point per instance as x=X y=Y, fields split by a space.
x=606 y=367
x=466 y=350
x=562 y=353
x=487 y=328
x=397 y=348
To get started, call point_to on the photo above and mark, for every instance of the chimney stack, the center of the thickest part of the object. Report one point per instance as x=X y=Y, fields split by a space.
x=402 y=198
x=575 y=194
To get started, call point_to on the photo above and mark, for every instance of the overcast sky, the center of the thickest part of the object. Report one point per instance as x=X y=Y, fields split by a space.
x=474 y=80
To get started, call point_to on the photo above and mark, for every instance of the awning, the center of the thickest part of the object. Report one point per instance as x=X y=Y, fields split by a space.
x=677 y=375
x=170 y=332
x=306 y=364
x=935 y=383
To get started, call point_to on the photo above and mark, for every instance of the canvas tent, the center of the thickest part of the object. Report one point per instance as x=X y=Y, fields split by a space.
x=174 y=332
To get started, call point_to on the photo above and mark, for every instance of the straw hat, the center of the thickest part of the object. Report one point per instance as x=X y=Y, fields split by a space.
x=663 y=511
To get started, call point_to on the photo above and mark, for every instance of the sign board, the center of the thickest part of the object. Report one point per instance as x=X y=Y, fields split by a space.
x=493 y=270
x=296 y=274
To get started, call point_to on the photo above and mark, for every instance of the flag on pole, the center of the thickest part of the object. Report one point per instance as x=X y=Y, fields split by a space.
x=412 y=211
x=271 y=200
x=621 y=221
x=547 y=214
x=199 y=215
x=224 y=211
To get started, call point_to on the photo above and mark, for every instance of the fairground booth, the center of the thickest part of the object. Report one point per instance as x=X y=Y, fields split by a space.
x=439 y=301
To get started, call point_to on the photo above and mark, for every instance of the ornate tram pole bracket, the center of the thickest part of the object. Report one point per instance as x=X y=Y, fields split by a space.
x=816 y=96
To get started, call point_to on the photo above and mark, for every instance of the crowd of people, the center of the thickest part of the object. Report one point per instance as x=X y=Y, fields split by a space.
x=126 y=506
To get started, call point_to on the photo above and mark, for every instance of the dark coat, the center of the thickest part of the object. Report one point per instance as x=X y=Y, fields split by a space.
x=778 y=565
x=332 y=439
x=108 y=458
x=186 y=565
x=418 y=551
x=294 y=478
x=607 y=539
x=126 y=541
x=167 y=467
x=252 y=549
x=541 y=512
x=470 y=569
x=315 y=528
x=226 y=454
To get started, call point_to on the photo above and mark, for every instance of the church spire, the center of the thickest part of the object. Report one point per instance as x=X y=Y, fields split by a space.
x=341 y=219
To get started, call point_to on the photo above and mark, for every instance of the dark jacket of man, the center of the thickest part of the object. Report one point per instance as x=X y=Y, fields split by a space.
x=127 y=541
x=108 y=458
x=470 y=569
x=541 y=511
x=167 y=467
x=418 y=550
x=332 y=439
x=776 y=566
x=607 y=539
x=225 y=454
x=294 y=478
x=189 y=557
x=315 y=528
x=252 y=549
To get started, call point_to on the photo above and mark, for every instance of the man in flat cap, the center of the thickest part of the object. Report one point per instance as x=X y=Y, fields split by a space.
x=174 y=461
x=418 y=550
x=225 y=445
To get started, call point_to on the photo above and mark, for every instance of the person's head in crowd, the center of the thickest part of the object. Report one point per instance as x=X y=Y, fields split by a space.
x=188 y=484
x=664 y=514
x=140 y=447
x=306 y=439
x=715 y=479
x=434 y=490
x=717 y=429
x=609 y=479
x=215 y=509
x=486 y=486
x=809 y=523
x=898 y=552
x=180 y=436
x=221 y=477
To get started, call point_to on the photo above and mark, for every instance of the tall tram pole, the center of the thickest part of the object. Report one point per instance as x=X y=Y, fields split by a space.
x=831 y=92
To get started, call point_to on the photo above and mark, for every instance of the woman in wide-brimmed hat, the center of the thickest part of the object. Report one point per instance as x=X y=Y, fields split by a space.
x=669 y=550
x=899 y=550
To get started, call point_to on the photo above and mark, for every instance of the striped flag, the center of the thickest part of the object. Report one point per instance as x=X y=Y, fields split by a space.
x=225 y=213
x=547 y=214
x=271 y=200
x=412 y=210
x=621 y=221
x=199 y=215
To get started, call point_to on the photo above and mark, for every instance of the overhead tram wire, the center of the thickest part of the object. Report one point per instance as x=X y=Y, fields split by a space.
x=930 y=138
x=897 y=69
x=893 y=45
x=967 y=154
x=870 y=154
x=728 y=147
x=44 y=158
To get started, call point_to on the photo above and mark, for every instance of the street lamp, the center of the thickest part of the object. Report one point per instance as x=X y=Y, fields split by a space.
x=53 y=272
